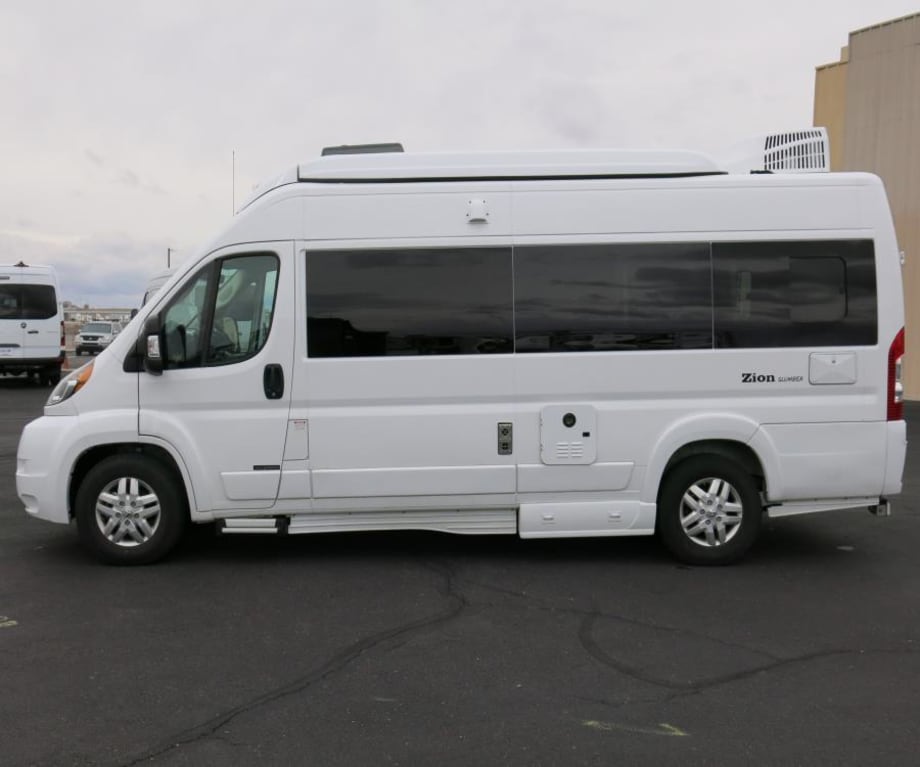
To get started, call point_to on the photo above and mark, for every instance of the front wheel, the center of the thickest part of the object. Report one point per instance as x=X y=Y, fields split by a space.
x=709 y=511
x=130 y=510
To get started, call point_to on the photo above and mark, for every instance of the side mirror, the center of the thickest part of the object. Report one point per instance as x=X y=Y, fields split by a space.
x=153 y=357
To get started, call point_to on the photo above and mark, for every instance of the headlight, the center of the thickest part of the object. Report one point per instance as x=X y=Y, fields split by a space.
x=70 y=384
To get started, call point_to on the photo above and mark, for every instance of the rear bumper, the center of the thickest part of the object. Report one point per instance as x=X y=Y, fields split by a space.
x=19 y=364
x=896 y=455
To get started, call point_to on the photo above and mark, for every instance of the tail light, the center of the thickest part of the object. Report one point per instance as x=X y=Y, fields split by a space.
x=895 y=387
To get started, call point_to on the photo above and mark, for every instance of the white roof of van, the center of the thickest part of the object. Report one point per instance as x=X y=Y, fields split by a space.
x=27 y=270
x=803 y=151
x=576 y=163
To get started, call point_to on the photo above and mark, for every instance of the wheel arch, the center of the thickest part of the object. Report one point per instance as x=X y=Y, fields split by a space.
x=731 y=450
x=97 y=453
x=725 y=435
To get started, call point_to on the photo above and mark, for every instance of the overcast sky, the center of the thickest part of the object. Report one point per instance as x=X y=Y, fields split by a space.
x=119 y=118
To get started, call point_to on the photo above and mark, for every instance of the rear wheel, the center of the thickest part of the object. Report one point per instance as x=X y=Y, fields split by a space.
x=50 y=376
x=709 y=511
x=130 y=510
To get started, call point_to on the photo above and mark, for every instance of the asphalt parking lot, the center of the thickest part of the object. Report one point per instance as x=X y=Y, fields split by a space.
x=425 y=649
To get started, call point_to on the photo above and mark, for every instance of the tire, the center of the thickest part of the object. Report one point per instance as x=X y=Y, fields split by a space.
x=709 y=511
x=130 y=510
x=50 y=376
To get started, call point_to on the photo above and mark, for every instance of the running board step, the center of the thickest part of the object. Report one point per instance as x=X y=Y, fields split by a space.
x=251 y=525
x=480 y=522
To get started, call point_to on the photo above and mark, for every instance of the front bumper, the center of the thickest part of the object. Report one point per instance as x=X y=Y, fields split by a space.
x=41 y=476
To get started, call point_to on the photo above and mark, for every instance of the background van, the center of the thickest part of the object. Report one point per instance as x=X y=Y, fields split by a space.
x=156 y=282
x=31 y=322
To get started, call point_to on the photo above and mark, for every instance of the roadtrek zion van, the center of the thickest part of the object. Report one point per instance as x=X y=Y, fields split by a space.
x=547 y=344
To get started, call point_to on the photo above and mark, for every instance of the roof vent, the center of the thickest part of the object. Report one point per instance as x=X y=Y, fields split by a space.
x=803 y=151
x=806 y=151
x=363 y=148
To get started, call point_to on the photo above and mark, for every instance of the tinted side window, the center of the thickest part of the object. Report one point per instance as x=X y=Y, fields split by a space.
x=27 y=302
x=612 y=297
x=771 y=294
x=374 y=303
x=39 y=302
x=9 y=302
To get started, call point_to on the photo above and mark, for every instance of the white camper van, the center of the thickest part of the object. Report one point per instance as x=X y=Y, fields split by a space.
x=546 y=344
x=31 y=322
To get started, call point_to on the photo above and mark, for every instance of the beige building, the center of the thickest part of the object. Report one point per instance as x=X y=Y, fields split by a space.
x=869 y=101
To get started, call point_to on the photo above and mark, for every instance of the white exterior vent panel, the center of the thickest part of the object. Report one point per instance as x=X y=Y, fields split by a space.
x=805 y=151
x=568 y=435
x=802 y=151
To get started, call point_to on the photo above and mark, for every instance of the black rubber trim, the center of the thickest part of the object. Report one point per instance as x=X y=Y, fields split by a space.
x=452 y=179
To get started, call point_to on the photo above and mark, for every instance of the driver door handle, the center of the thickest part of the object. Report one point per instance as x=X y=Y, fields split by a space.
x=273 y=381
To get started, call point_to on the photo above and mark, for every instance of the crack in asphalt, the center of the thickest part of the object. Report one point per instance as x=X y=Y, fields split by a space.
x=585 y=635
x=448 y=585
x=337 y=663
x=590 y=617
x=580 y=612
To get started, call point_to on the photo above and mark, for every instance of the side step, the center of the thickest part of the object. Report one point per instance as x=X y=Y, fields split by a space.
x=264 y=525
x=476 y=522
x=469 y=522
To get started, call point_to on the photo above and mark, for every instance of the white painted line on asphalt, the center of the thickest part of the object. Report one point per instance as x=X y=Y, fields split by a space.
x=663 y=729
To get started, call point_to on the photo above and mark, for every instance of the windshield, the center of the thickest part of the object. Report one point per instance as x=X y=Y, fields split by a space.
x=97 y=327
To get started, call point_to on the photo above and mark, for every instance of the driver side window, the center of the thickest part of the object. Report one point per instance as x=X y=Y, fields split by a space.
x=224 y=314
x=243 y=308
x=182 y=323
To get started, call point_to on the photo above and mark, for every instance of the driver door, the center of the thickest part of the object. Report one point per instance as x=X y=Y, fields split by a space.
x=224 y=395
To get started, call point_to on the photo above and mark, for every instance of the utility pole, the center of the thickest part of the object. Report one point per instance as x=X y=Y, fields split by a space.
x=233 y=184
x=168 y=254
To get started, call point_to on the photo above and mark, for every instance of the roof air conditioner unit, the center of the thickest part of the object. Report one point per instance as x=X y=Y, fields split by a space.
x=803 y=151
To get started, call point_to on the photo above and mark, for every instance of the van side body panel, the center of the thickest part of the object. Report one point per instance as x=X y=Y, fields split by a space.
x=389 y=432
